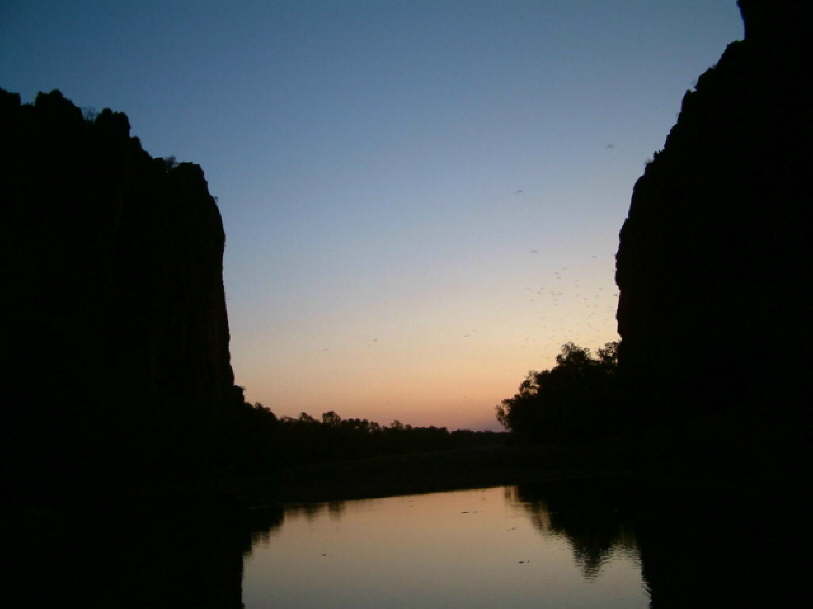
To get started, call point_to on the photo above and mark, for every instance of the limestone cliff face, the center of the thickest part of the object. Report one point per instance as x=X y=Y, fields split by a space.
x=116 y=343
x=714 y=256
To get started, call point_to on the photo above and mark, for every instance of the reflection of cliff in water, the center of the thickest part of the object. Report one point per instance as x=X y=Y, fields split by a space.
x=697 y=547
x=593 y=523
x=136 y=557
x=716 y=548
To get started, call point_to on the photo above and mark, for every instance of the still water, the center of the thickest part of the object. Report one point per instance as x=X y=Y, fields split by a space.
x=486 y=548
x=568 y=545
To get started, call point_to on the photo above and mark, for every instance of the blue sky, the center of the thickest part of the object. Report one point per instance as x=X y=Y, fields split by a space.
x=421 y=199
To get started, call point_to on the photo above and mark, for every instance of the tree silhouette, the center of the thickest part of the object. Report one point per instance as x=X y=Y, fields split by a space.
x=573 y=400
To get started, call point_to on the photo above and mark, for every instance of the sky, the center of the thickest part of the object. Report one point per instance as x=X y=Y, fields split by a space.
x=421 y=199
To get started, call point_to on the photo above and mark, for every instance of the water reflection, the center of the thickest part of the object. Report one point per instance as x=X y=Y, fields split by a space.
x=595 y=524
x=702 y=547
x=264 y=524
x=132 y=556
x=261 y=525
x=555 y=545
x=466 y=549
x=713 y=548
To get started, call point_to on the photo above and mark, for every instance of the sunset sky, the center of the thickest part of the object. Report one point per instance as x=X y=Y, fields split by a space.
x=421 y=198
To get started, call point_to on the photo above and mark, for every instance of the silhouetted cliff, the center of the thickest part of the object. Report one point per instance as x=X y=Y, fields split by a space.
x=116 y=350
x=713 y=262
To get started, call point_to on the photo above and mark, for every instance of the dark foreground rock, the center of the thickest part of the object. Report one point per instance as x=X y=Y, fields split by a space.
x=714 y=257
x=115 y=342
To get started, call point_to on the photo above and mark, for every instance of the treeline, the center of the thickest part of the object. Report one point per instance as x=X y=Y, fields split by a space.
x=577 y=400
x=263 y=442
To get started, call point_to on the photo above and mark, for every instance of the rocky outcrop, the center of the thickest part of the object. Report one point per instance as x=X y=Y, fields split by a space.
x=714 y=261
x=116 y=346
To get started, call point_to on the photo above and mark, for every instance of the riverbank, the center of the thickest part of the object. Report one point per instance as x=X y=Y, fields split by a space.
x=649 y=462
x=432 y=471
x=653 y=463
x=397 y=474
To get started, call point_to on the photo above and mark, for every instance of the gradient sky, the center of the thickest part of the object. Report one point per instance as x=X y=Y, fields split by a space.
x=421 y=199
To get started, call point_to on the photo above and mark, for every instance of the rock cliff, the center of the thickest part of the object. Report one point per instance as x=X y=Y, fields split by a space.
x=116 y=346
x=713 y=262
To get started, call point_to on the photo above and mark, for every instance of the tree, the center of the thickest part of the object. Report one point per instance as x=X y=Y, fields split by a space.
x=331 y=419
x=570 y=401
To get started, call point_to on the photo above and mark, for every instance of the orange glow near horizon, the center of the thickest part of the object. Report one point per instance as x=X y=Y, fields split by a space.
x=421 y=200
x=446 y=361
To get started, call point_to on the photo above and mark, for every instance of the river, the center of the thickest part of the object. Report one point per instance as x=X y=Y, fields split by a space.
x=470 y=549
x=566 y=545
